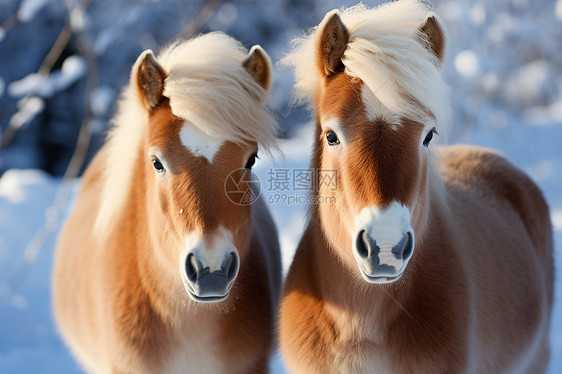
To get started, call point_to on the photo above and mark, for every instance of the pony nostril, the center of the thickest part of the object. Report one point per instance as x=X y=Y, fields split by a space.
x=191 y=267
x=403 y=249
x=231 y=267
x=409 y=247
x=361 y=244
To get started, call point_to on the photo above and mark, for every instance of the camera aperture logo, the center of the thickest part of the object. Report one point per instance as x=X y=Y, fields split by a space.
x=242 y=187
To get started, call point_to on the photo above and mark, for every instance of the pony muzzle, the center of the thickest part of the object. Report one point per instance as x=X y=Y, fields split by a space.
x=382 y=265
x=383 y=243
x=206 y=285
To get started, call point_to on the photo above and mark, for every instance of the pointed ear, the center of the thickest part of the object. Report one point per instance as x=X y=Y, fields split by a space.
x=148 y=77
x=258 y=65
x=333 y=43
x=435 y=37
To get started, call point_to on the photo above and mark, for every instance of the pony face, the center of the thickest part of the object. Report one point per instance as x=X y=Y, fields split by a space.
x=188 y=170
x=193 y=224
x=381 y=164
x=380 y=154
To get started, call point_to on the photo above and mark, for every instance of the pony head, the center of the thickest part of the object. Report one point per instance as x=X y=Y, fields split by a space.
x=201 y=116
x=372 y=77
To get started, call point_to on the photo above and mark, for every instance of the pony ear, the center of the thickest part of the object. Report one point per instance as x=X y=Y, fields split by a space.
x=149 y=77
x=435 y=37
x=258 y=64
x=333 y=43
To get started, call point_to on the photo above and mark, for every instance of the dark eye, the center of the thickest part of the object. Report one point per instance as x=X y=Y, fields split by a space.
x=158 y=165
x=429 y=136
x=332 y=138
x=251 y=161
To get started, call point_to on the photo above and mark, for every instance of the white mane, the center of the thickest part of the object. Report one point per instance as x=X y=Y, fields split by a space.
x=206 y=85
x=386 y=52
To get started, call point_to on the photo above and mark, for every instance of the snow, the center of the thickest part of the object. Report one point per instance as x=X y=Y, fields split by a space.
x=101 y=100
x=29 y=9
x=77 y=18
x=29 y=84
x=502 y=64
x=12 y=182
x=73 y=68
x=530 y=83
x=290 y=218
x=478 y=14
x=28 y=108
x=466 y=64
x=557 y=220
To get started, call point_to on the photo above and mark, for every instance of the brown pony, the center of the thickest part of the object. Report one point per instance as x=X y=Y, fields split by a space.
x=158 y=270
x=420 y=265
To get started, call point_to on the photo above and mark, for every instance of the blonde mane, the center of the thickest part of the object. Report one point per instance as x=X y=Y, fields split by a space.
x=206 y=85
x=386 y=51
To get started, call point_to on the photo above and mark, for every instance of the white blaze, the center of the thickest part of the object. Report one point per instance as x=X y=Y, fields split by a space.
x=198 y=142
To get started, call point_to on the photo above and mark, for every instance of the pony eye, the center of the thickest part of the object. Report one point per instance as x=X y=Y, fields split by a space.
x=429 y=136
x=251 y=161
x=158 y=165
x=332 y=138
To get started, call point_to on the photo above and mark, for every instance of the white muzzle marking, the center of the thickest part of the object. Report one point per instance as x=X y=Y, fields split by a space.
x=208 y=273
x=383 y=242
